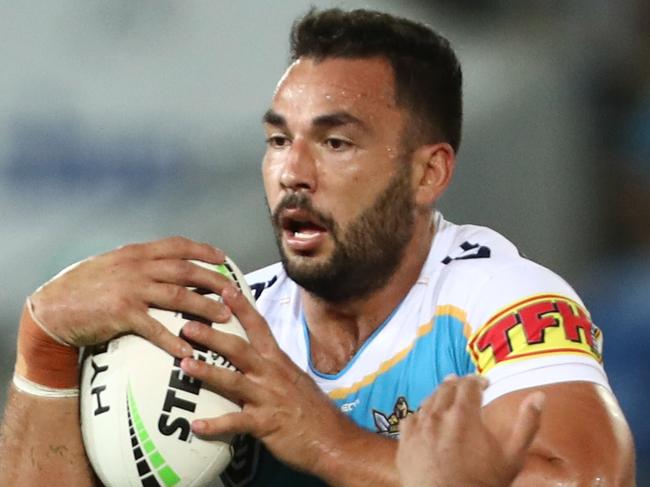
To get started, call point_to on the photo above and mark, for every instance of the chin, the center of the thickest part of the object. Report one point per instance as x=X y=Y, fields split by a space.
x=303 y=262
x=300 y=266
x=318 y=256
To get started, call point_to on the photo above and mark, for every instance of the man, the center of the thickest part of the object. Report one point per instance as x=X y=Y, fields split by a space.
x=378 y=299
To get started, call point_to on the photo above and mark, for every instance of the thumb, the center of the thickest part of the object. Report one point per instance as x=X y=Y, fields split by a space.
x=526 y=426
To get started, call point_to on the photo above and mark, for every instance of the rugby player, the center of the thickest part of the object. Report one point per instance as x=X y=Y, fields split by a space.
x=377 y=301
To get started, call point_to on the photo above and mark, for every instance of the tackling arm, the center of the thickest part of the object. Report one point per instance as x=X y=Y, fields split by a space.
x=41 y=441
x=583 y=438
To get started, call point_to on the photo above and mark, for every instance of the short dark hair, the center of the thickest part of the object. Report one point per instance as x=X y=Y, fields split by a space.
x=427 y=73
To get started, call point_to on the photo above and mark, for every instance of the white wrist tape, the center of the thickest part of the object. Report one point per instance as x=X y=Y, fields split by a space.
x=35 y=389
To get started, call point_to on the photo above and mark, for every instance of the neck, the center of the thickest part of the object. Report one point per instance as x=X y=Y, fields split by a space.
x=338 y=330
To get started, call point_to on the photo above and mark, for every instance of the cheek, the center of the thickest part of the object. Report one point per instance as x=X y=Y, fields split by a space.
x=352 y=198
x=271 y=178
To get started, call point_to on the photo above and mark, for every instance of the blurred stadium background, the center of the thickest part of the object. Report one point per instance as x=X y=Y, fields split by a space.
x=125 y=121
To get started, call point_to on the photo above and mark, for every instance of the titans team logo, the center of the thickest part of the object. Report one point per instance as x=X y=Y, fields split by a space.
x=388 y=425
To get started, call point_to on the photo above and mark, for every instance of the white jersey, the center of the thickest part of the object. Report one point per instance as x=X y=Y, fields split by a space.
x=478 y=306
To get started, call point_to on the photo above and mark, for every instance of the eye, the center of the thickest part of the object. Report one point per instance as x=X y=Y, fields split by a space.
x=337 y=144
x=277 y=141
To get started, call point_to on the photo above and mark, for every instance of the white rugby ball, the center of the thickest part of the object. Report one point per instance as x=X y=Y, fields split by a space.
x=137 y=407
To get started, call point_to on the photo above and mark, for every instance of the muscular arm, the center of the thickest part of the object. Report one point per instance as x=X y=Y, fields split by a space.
x=568 y=434
x=583 y=438
x=41 y=441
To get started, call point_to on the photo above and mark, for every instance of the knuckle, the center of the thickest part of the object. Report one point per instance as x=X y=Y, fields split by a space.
x=434 y=416
x=130 y=249
x=217 y=311
x=237 y=345
x=154 y=330
x=204 y=308
x=268 y=352
x=184 y=270
x=445 y=388
x=120 y=307
x=211 y=249
x=178 y=241
x=175 y=294
x=262 y=423
x=235 y=380
x=220 y=376
x=221 y=309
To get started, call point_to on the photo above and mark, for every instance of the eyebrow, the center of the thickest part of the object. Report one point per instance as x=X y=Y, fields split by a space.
x=329 y=120
x=274 y=118
x=338 y=119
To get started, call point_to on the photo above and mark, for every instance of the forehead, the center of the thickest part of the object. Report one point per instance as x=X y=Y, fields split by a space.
x=356 y=85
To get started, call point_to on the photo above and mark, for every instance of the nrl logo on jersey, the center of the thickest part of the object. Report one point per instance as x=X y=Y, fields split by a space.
x=388 y=424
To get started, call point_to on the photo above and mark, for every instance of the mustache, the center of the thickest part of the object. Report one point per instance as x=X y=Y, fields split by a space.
x=300 y=201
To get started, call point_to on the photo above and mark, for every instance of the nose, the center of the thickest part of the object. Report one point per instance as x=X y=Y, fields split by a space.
x=299 y=168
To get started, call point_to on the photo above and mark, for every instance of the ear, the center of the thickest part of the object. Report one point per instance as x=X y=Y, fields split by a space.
x=433 y=168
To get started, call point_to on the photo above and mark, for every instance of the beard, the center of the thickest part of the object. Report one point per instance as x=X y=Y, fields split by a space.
x=366 y=254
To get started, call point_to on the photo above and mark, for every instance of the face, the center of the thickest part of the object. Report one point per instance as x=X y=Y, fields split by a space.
x=337 y=179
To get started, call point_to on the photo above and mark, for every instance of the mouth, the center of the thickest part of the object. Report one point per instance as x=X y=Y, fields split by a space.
x=301 y=230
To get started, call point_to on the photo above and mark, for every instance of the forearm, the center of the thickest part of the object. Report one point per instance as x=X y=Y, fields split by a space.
x=41 y=441
x=363 y=459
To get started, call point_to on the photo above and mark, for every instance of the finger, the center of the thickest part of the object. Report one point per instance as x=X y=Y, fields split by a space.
x=525 y=427
x=408 y=426
x=181 y=299
x=230 y=423
x=230 y=384
x=232 y=347
x=174 y=248
x=442 y=399
x=153 y=331
x=427 y=404
x=185 y=273
x=253 y=323
x=470 y=394
x=434 y=414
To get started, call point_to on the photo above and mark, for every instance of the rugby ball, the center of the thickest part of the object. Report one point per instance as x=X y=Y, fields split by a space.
x=137 y=407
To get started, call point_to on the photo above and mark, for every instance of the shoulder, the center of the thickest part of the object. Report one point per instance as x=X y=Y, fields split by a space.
x=487 y=273
x=527 y=326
